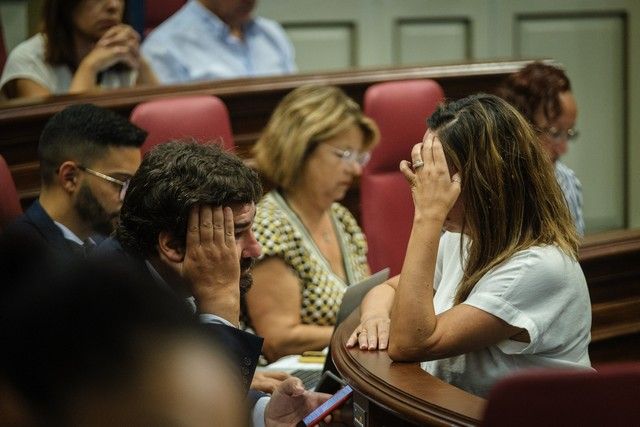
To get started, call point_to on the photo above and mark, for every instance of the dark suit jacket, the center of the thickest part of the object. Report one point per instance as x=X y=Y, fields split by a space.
x=36 y=226
x=242 y=348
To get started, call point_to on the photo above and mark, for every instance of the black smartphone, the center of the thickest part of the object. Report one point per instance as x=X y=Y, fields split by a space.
x=329 y=383
x=318 y=414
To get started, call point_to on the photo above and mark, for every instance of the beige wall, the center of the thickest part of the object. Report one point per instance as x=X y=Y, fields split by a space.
x=594 y=40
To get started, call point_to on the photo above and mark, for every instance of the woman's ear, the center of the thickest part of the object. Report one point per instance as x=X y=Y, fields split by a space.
x=169 y=248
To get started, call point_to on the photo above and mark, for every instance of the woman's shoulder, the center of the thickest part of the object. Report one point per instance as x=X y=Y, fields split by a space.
x=538 y=270
x=271 y=216
x=269 y=208
x=33 y=48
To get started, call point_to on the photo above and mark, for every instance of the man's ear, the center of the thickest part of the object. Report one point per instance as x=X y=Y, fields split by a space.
x=68 y=176
x=169 y=248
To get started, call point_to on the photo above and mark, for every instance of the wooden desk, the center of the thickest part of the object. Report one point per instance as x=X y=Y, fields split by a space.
x=399 y=393
x=250 y=103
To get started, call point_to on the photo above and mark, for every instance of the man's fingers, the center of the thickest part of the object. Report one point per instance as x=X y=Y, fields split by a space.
x=292 y=387
x=229 y=232
x=193 y=226
x=278 y=375
x=207 y=224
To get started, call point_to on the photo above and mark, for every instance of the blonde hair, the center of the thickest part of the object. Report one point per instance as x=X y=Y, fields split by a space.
x=305 y=117
x=511 y=196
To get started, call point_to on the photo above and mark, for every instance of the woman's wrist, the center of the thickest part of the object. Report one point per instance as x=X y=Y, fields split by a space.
x=374 y=315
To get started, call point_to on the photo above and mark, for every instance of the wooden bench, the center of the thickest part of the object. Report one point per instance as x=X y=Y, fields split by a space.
x=250 y=103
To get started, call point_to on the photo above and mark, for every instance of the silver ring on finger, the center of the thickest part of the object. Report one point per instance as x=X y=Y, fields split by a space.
x=417 y=164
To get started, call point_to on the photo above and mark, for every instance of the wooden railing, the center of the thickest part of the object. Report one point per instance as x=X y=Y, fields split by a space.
x=388 y=393
x=250 y=103
x=391 y=394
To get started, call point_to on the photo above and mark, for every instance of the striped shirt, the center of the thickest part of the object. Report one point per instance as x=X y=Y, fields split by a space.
x=572 y=190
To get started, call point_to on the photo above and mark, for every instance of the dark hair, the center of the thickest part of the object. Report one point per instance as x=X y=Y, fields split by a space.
x=83 y=133
x=512 y=200
x=172 y=178
x=536 y=87
x=88 y=330
x=58 y=28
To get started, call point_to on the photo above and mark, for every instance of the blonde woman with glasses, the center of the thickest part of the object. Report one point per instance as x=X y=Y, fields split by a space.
x=313 y=148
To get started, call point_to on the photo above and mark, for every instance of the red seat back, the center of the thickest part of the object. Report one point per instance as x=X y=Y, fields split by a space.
x=157 y=11
x=608 y=397
x=204 y=118
x=10 y=207
x=400 y=109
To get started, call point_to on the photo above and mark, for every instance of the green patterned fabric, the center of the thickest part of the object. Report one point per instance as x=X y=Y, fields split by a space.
x=282 y=234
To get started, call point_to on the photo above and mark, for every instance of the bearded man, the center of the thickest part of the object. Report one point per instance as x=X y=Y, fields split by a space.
x=87 y=156
x=187 y=222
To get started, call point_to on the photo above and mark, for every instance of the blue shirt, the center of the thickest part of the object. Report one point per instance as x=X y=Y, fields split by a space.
x=195 y=45
x=572 y=189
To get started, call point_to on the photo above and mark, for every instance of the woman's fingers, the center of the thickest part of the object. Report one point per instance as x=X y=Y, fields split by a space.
x=406 y=170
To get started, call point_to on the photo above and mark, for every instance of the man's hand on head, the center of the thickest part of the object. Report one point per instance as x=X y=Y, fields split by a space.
x=211 y=265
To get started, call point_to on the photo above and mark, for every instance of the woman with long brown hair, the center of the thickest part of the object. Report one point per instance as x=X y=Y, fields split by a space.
x=501 y=289
x=84 y=46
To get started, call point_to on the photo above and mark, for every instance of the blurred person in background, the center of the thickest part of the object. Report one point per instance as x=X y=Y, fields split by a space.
x=218 y=39
x=542 y=93
x=84 y=46
x=101 y=346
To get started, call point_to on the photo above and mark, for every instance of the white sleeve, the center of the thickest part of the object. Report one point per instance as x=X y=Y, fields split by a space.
x=539 y=290
x=23 y=63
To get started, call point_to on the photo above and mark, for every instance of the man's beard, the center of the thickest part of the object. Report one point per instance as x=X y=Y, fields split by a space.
x=91 y=212
x=246 y=279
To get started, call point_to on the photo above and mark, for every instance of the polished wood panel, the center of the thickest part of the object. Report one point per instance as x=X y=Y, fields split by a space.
x=611 y=264
x=396 y=393
x=250 y=103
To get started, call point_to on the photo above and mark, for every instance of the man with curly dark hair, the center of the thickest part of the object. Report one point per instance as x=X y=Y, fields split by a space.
x=187 y=222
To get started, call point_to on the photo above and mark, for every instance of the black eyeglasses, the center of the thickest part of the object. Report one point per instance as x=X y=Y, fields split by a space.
x=124 y=185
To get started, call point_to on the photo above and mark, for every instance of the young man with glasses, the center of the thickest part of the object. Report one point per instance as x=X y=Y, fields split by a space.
x=87 y=156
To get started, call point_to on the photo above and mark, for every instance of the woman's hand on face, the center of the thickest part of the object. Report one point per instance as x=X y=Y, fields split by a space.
x=372 y=333
x=434 y=191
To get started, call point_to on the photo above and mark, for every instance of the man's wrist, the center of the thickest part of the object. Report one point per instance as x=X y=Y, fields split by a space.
x=226 y=307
